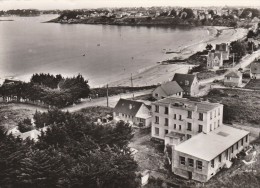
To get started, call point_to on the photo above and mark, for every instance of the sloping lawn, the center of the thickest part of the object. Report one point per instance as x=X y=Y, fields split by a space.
x=239 y=106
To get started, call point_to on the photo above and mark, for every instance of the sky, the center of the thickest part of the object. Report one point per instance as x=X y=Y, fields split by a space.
x=75 y=4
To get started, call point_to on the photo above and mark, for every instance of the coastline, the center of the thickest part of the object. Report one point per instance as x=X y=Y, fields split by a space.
x=161 y=73
x=156 y=73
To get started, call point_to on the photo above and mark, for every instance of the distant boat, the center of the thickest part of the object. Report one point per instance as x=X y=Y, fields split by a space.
x=84 y=55
x=98 y=44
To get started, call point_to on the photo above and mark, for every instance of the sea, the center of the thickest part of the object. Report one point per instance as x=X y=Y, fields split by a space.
x=101 y=53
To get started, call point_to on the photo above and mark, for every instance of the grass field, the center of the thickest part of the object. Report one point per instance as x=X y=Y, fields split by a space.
x=253 y=84
x=12 y=113
x=239 y=105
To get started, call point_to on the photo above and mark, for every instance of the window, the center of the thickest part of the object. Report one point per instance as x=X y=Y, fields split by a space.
x=220 y=158
x=219 y=111
x=201 y=116
x=166 y=111
x=237 y=145
x=179 y=127
x=232 y=149
x=199 y=165
x=156 y=130
x=180 y=117
x=166 y=131
x=215 y=112
x=166 y=122
x=156 y=108
x=182 y=160
x=227 y=154
x=174 y=126
x=210 y=115
x=174 y=117
x=246 y=138
x=156 y=119
x=242 y=142
x=200 y=128
x=156 y=95
x=210 y=126
x=212 y=163
x=191 y=162
x=189 y=127
x=189 y=114
x=218 y=123
x=187 y=82
x=188 y=136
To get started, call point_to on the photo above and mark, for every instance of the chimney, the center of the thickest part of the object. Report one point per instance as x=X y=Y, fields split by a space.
x=196 y=108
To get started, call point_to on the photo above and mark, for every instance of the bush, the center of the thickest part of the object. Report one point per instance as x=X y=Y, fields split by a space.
x=25 y=125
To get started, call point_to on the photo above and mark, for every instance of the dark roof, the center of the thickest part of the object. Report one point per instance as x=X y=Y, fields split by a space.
x=222 y=47
x=184 y=80
x=128 y=107
x=170 y=88
x=255 y=68
x=217 y=54
x=234 y=75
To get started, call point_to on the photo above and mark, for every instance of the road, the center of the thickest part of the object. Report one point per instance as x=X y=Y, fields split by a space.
x=245 y=61
x=102 y=101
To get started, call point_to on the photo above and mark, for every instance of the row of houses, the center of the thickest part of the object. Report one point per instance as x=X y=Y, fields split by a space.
x=201 y=144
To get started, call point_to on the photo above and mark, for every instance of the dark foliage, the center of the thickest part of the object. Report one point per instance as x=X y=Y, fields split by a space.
x=73 y=152
x=250 y=13
x=25 y=125
x=47 y=80
x=48 y=90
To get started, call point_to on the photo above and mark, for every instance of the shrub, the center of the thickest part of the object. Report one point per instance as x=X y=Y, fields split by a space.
x=25 y=125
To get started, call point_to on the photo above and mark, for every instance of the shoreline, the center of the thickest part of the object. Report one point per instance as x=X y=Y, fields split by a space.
x=158 y=73
x=161 y=73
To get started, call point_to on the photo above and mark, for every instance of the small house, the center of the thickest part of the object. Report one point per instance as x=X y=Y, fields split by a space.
x=255 y=70
x=214 y=60
x=133 y=112
x=188 y=82
x=168 y=89
x=233 y=79
x=224 y=50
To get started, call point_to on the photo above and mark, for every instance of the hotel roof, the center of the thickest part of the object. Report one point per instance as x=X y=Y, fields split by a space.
x=186 y=104
x=210 y=145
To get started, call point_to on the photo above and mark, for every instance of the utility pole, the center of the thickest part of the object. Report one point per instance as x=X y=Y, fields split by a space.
x=107 y=95
x=233 y=59
x=132 y=84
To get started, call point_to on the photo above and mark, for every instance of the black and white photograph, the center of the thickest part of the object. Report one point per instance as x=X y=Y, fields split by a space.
x=129 y=93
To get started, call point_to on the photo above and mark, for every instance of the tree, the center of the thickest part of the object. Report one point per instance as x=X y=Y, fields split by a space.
x=250 y=13
x=25 y=125
x=209 y=47
x=110 y=168
x=239 y=48
x=173 y=13
x=211 y=12
x=41 y=168
x=189 y=13
x=250 y=34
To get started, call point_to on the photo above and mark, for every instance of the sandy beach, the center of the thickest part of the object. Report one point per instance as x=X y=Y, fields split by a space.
x=162 y=73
